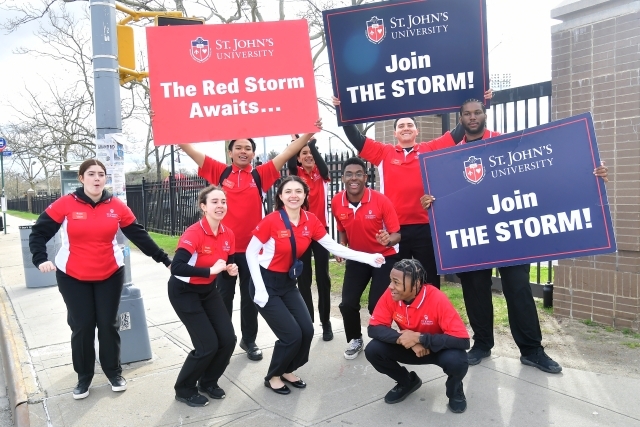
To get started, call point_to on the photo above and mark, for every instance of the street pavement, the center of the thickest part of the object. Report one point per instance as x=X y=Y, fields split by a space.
x=500 y=391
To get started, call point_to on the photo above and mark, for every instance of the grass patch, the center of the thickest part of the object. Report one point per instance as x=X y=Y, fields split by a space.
x=23 y=215
x=167 y=243
x=631 y=344
x=544 y=274
x=589 y=322
x=630 y=333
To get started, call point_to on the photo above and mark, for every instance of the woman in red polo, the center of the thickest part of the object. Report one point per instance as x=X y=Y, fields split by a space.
x=311 y=167
x=270 y=257
x=90 y=269
x=205 y=250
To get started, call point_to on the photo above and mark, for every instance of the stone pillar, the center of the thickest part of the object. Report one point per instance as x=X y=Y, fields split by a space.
x=596 y=68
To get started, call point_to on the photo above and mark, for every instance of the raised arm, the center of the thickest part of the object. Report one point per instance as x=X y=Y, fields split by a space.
x=195 y=155
x=317 y=157
x=353 y=134
x=293 y=148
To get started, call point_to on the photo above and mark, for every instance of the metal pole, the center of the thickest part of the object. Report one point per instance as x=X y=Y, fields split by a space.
x=134 y=337
x=4 y=214
x=264 y=149
x=445 y=123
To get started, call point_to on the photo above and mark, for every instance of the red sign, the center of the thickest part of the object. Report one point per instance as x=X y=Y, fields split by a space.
x=230 y=81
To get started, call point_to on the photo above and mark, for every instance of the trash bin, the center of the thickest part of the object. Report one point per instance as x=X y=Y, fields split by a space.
x=32 y=276
x=134 y=335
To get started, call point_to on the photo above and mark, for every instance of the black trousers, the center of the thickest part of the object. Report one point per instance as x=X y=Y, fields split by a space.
x=356 y=278
x=323 y=282
x=416 y=243
x=202 y=311
x=288 y=317
x=384 y=357
x=91 y=305
x=523 y=316
x=248 y=311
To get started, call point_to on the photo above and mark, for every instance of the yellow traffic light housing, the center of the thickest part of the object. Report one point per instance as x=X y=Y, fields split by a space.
x=126 y=47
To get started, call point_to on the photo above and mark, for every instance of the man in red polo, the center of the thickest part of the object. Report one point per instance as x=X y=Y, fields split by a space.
x=366 y=222
x=245 y=211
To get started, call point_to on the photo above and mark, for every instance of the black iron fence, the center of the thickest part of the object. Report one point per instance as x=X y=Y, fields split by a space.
x=38 y=203
x=170 y=206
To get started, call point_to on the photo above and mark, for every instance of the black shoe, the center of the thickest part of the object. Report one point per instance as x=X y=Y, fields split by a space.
x=475 y=355
x=327 y=333
x=458 y=403
x=82 y=389
x=400 y=392
x=118 y=383
x=540 y=360
x=213 y=391
x=253 y=352
x=196 y=400
x=296 y=384
x=282 y=390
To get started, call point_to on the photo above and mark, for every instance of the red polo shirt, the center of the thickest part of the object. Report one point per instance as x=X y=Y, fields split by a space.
x=486 y=135
x=89 y=249
x=374 y=213
x=276 y=252
x=243 y=200
x=206 y=248
x=400 y=175
x=430 y=313
x=318 y=192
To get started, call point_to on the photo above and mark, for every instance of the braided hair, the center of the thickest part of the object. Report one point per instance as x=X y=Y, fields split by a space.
x=414 y=270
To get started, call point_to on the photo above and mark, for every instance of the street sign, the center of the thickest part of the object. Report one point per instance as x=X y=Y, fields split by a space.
x=6 y=153
x=3 y=144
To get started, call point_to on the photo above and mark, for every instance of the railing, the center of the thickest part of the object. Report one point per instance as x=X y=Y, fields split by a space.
x=38 y=203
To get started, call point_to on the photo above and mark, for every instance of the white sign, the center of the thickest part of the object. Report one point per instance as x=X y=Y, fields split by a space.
x=110 y=151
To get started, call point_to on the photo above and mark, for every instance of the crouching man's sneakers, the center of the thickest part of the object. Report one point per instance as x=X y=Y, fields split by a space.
x=458 y=403
x=82 y=389
x=253 y=352
x=400 y=392
x=118 y=383
x=540 y=360
x=475 y=355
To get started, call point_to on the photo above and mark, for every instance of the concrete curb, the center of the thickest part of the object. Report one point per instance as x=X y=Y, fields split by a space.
x=11 y=360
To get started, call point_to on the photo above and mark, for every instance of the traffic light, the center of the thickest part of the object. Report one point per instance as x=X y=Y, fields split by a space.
x=126 y=47
x=164 y=21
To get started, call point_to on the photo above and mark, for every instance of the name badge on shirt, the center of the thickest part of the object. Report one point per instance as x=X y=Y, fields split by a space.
x=78 y=215
x=206 y=249
x=227 y=183
x=284 y=234
x=395 y=162
x=399 y=318
x=344 y=216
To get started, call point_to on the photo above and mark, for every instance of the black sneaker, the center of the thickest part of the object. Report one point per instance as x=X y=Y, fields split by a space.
x=196 y=400
x=327 y=333
x=118 y=383
x=540 y=360
x=400 y=392
x=82 y=389
x=253 y=352
x=213 y=391
x=475 y=355
x=458 y=403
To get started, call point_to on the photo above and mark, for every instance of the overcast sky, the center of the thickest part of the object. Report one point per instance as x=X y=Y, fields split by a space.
x=519 y=40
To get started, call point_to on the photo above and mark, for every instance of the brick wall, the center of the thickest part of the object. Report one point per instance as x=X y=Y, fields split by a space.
x=596 y=67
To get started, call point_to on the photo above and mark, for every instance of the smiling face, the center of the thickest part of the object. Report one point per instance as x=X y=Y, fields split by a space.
x=93 y=180
x=354 y=178
x=216 y=206
x=400 y=286
x=292 y=195
x=306 y=159
x=406 y=132
x=242 y=153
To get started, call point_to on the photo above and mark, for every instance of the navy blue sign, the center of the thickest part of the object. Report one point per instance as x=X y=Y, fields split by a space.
x=403 y=58
x=518 y=198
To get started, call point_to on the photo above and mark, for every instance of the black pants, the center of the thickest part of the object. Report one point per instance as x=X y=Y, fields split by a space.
x=248 y=311
x=288 y=317
x=323 y=282
x=416 y=243
x=385 y=357
x=523 y=316
x=201 y=310
x=91 y=305
x=356 y=278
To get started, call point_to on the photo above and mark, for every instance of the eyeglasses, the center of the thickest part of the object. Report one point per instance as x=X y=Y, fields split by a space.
x=350 y=175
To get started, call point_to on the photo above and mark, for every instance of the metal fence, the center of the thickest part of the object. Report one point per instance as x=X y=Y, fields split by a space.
x=38 y=203
x=170 y=206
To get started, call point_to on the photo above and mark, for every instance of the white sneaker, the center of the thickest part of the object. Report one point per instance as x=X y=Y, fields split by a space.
x=356 y=345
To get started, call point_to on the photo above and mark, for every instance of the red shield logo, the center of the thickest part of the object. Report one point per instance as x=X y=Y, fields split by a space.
x=375 y=30
x=200 y=50
x=473 y=170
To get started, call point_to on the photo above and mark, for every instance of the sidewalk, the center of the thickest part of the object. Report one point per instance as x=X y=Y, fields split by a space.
x=499 y=391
